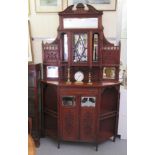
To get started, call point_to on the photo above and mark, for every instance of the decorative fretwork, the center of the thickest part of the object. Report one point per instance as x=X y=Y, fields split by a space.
x=50 y=53
x=111 y=54
x=51 y=56
x=80 y=48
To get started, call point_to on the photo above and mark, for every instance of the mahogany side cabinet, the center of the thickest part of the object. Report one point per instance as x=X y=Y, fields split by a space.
x=34 y=100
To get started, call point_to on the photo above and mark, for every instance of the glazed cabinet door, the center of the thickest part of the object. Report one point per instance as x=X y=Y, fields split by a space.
x=78 y=115
x=69 y=118
x=87 y=118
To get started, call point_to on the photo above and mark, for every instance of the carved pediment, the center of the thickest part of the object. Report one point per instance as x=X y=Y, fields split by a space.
x=80 y=8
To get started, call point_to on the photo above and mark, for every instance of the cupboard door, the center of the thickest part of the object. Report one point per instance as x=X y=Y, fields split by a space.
x=87 y=118
x=69 y=118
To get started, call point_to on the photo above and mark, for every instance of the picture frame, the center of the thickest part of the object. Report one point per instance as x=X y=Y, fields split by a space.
x=30 y=51
x=47 y=6
x=104 y=5
x=29 y=12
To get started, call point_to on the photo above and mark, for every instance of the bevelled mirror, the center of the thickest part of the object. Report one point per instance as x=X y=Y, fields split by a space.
x=109 y=72
x=88 y=101
x=95 y=47
x=70 y=23
x=65 y=47
x=68 y=101
x=52 y=72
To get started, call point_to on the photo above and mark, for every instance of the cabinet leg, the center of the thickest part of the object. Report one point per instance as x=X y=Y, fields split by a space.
x=58 y=144
x=96 y=146
x=37 y=142
x=114 y=139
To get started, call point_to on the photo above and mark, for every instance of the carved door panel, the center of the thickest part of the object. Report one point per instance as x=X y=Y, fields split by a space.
x=69 y=118
x=87 y=118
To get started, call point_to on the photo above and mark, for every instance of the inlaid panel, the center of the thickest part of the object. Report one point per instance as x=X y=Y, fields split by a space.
x=87 y=118
x=87 y=124
x=70 y=124
x=69 y=118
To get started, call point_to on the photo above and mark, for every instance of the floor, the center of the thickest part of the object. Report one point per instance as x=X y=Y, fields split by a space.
x=49 y=147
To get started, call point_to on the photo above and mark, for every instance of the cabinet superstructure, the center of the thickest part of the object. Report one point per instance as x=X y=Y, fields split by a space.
x=80 y=87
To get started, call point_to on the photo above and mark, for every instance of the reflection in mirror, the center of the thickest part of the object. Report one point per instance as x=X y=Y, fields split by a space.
x=52 y=72
x=109 y=72
x=80 y=23
x=95 y=47
x=88 y=101
x=68 y=100
x=65 y=44
x=80 y=47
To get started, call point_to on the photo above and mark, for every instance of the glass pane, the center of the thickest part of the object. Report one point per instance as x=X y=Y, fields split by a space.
x=31 y=79
x=88 y=101
x=68 y=100
x=80 y=48
x=95 y=47
x=109 y=73
x=80 y=23
x=52 y=71
x=65 y=39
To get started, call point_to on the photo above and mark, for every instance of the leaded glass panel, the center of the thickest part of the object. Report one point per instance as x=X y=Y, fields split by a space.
x=80 y=48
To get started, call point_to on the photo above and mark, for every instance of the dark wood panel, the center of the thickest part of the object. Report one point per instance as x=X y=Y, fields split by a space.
x=34 y=100
x=50 y=97
x=50 y=125
x=87 y=124
x=109 y=100
x=107 y=128
x=69 y=124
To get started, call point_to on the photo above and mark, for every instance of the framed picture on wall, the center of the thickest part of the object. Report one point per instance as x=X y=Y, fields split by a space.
x=49 y=5
x=105 y=5
x=30 y=52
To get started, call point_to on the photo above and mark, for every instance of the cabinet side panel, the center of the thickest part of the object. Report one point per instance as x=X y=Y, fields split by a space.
x=108 y=113
x=107 y=128
x=109 y=99
x=50 y=113
x=50 y=98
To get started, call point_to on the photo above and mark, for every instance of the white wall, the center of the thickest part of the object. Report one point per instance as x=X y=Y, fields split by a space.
x=122 y=35
x=122 y=123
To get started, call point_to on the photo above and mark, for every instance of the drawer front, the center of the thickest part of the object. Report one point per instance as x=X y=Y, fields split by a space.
x=78 y=91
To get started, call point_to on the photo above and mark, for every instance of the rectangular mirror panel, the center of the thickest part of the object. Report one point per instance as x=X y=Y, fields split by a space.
x=88 y=101
x=109 y=72
x=68 y=101
x=95 y=47
x=80 y=23
x=65 y=42
x=52 y=72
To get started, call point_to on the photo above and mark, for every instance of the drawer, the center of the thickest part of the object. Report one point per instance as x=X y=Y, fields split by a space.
x=78 y=91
